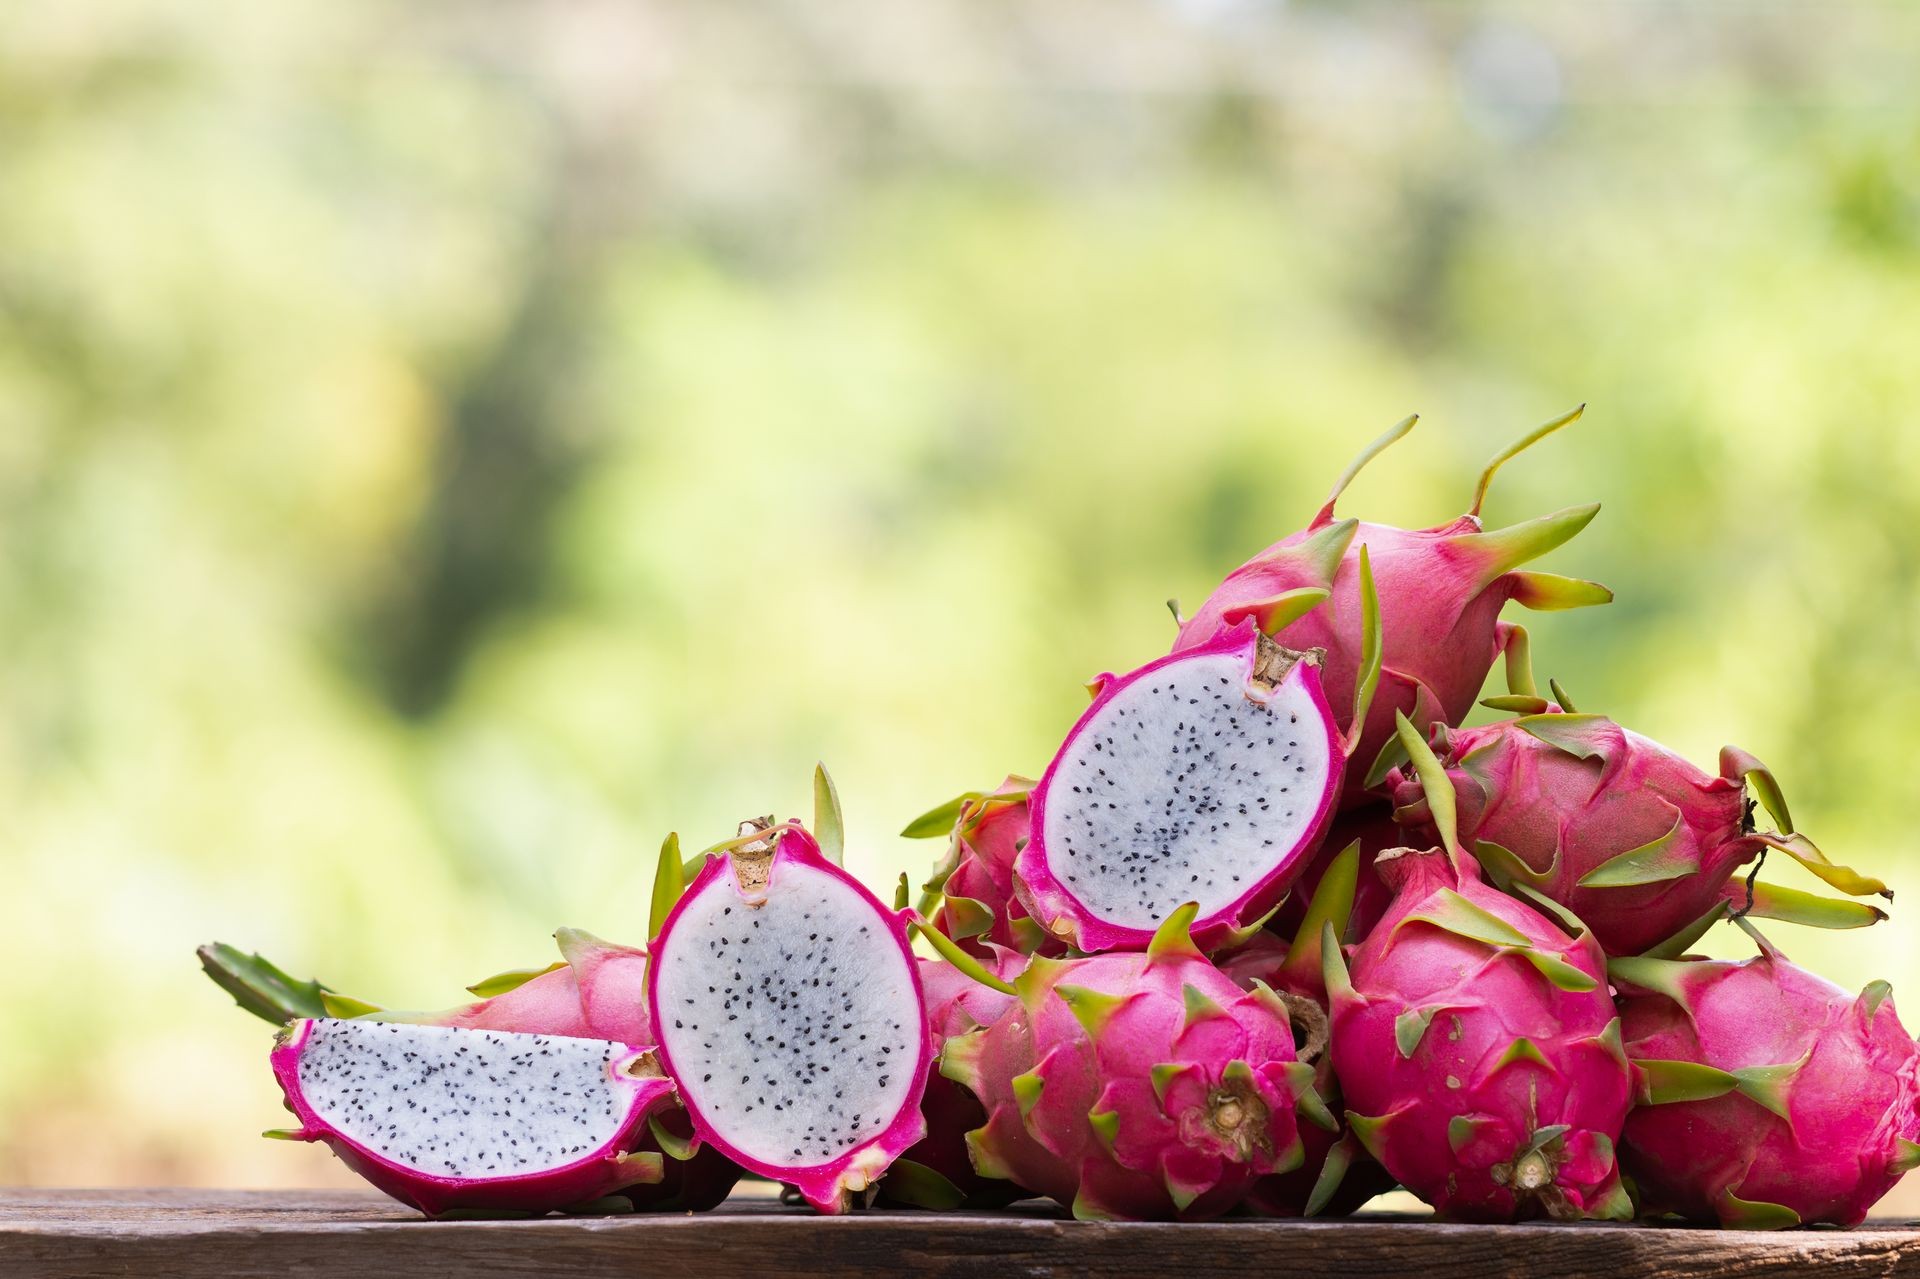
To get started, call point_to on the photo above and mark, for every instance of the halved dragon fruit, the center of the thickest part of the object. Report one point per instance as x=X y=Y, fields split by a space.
x=1629 y=836
x=1771 y=1097
x=1441 y=591
x=790 y=1012
x=1136 y=1086
x=1477 y=1048
x=597 y=993
x=447 y=1119
x=1208 y=776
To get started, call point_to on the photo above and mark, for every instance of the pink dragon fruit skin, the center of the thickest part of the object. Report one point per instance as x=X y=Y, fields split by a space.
x=1478 y=1051
x=956 y=1005
x=1626 y=834
x=1771 y=1098
x=611 y=1167
x=1045 y=889
x=1441 y=591
x=770 y=879
x=1336 y=1177
x=1136 y=1086
x=971 y=895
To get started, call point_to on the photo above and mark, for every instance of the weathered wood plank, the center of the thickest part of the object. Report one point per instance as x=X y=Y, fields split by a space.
x=55 y=1234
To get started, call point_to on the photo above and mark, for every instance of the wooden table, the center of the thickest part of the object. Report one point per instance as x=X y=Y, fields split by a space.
x=55 y=1234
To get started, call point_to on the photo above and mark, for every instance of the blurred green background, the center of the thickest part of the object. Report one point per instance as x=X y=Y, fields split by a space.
x=445 y=447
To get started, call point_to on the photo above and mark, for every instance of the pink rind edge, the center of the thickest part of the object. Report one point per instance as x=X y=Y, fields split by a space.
x=822 y=1185
x=1049 y=900
x=589 y=1177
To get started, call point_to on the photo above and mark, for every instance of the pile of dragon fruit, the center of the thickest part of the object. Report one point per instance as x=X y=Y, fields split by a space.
x=1272 y=933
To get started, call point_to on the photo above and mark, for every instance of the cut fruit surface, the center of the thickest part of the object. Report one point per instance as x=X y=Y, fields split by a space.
x=1203 y=777
x=787 y=1006
x=443 y=1117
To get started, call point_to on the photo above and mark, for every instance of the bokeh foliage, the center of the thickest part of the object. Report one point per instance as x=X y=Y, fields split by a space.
x=443 y=448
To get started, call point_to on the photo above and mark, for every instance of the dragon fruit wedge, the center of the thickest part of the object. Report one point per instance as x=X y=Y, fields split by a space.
x=938 y=1172
x=597 y=992
x=790 y=1012
x=1136 y=1085
x=449 y=1119
x=1441 y=592
x=1477 y=1048
x=1630 y=837
x=1771 y=1097
x=1335 y=1177
x=1208 y=776
x=970 y=896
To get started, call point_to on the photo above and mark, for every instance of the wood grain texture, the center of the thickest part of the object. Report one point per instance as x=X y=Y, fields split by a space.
x=54 y=1234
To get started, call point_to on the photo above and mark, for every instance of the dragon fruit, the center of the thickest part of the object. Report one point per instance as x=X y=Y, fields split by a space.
x=451 y=1119
x=938 y=1172
x=1136 y=1086
x=1441 y=591
x=1626 y=834
x=790 y=1012
x=597 y=993
x=970 y=896
x=1335 y=1177
x=1771 y=1096
x=1207 y=776
x=1476 y=1046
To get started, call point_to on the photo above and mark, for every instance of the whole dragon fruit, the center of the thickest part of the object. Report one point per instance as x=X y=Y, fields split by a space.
x=1630 y=837
x=1477 y=1048
x=1208 y=776
x=790 y=1014
x=597 y=993
x=1441 y=591
x=447 y=1119
x=970 y=896
x=1335 y=1177
x=1771 y=1098
x=1136 y=1086
x=938 y=1172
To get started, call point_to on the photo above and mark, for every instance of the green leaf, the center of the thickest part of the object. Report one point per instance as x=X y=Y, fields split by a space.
x=1581 y=736
x=513 y=979
x=1792 y=906
x=1681 y=942
x=1743 y=767
x=1661 y=976
x=1380 y=444
x=1653 y=862
x=1517 y=705
x=1449 y=911
x=1164 y=1074
x=960 y=959
x=1331 y=903
x=1410 y=1027
x=1665 y=1082
x=1519 y=663
x=1371 y=1130
x=1333 y=1171
x=1513 y=450
x=1026 y=1091
x=677 y=1148
x=286 y=1134
x=1306 y=1098
x=1392 y=755
x=1462 y=1129
x=259 y=987
x=1199 y=1007
x=1277 y=612
x=1433 y=781
x=1872 y=995
x=902 y=893
x=829 y=827
x=1844 y=878
x=1906 y=1157
x=916 y=1184
x=1105 y=1125
x=1323 y=549
x=1550 y=592
x=1174 y=938
x=1371 y=649
x=669 y=881
x=345 y=1006
x=1767 y=1085
x=1561 y=699
x=1093 y=1009
x=1524 y=1049
x=1742 y=1214
x=1499 y=550
x=940 y=820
